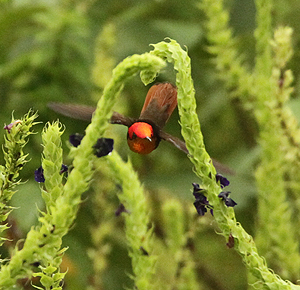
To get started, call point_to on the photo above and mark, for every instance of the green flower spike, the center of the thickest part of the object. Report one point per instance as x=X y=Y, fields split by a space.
x=43 y=242
x=225 y=218
x=16 y=137
x=265 y=91
x=137 y=222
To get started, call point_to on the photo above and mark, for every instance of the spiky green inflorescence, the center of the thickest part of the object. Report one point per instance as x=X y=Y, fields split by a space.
x=278 y=130
x=104 y=62
x=104 y=208
x=50 y=278
x=244 y=244
x=52 y=162
x=228 y=60
x=277 y=233
x=137 y=221
x=42 y=244
x=290 y=141
x=177 y=244
x=16 y=137
x=172 y=52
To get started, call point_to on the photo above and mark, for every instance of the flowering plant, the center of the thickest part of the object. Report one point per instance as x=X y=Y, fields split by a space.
x=264 y=92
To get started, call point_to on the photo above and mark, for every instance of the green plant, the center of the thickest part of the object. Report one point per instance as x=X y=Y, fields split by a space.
x=264 y=91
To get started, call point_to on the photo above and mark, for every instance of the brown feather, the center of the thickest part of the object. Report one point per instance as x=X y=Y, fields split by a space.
x=160 y=103
x=118 y=118
x=173 y=140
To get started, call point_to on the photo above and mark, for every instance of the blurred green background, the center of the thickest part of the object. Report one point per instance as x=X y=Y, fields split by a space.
x=65 y=50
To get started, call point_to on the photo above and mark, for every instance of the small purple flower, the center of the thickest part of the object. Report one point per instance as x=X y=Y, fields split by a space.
x=103 y=147
x=75 y=139
x=223 y=180
x=201 y=204
x=39 y=175
x=120 y=209
x=64 y=168
x=200 y=207
x=198 y=192
x=227 y=200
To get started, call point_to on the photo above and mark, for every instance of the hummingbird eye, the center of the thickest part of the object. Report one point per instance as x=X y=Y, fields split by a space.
x=131 y=135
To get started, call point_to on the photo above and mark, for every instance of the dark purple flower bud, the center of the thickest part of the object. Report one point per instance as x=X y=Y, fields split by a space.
x=228 y=201
x=200 y=207
x=75 y=139
x=103 y=147
x=223 y=180
x=64 y=168
x=196 y=186
x=224 y=194
x=39 y=175
x=120 y=209
x=198 y=192
x=201 y=204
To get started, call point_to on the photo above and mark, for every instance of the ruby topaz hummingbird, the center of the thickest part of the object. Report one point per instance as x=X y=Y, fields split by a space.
x=145 y=133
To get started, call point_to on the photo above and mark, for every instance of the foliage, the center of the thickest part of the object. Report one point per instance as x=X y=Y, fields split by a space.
x=77 y=231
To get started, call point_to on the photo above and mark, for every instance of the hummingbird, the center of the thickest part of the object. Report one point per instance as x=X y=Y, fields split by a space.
x=144 y=133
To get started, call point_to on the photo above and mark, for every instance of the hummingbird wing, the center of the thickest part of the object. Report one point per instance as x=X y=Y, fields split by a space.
x=120 y=119
x=84 y=113
x=160 y=102
x=174 y=141
x=181 y=146
x=74 y=111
